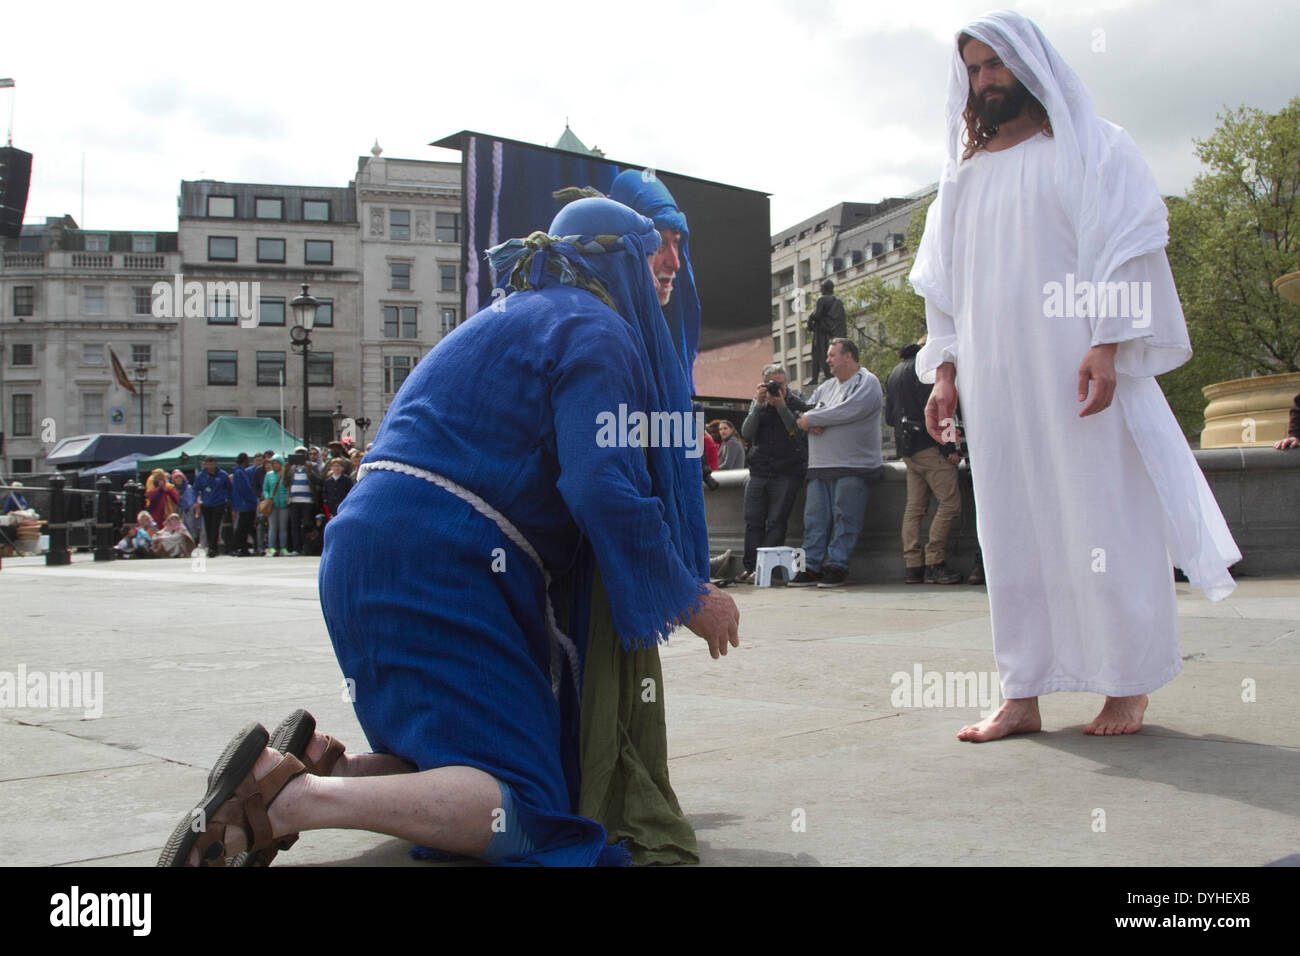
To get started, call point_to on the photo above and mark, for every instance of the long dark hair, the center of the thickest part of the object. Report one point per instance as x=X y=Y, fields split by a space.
x=977 y=134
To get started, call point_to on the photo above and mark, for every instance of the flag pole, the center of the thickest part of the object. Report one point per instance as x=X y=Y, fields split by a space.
x=282 y=414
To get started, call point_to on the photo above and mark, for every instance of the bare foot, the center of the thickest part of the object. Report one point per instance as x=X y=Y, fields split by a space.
x=1019 y=716
x=1119 y=715
x=235 y=842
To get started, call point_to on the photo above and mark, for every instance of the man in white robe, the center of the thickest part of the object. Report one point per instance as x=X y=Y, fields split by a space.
x=1050 y=307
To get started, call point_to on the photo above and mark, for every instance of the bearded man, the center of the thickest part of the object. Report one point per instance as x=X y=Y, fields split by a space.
x=1084 y=486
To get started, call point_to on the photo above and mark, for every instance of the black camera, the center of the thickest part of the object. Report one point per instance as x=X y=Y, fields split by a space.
x=773 y=388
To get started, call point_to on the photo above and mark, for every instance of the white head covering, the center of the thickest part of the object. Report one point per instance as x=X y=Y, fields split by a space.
x=1107 y=190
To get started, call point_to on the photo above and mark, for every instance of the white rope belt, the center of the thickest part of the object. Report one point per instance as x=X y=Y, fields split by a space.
x=561 y=647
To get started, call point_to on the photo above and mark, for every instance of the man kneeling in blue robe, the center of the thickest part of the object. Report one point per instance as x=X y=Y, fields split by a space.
x=497 y=587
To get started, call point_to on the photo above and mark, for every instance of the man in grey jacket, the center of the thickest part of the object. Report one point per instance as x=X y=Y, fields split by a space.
x=843 y=428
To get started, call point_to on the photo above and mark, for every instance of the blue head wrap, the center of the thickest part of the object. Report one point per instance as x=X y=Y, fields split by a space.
x=650 y=197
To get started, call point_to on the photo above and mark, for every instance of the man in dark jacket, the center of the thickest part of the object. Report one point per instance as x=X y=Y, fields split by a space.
x=212 y=492
x=930 y=468
x=827 y=322
x=243 y=502
x=776 y=464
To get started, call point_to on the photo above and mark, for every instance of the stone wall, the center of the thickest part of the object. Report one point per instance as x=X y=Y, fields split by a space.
x=1257 y=489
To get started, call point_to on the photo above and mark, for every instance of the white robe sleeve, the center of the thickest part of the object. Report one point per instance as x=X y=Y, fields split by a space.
x=1150 y=326
x=940 y=343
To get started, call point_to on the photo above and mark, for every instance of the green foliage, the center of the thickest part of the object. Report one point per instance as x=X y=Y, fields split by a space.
x=1237 y=230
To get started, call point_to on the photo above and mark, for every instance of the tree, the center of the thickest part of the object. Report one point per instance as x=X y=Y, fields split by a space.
x=1236 y=231
x=881 y=318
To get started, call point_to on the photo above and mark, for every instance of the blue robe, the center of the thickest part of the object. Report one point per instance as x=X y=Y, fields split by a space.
x=451 y=658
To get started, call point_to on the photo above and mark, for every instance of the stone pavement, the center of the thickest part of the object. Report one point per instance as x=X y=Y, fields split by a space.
x=798 y=748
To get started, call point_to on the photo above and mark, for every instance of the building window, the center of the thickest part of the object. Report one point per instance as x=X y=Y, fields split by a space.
x=399 y=275
x=21 y=408
x=222 y=309
x=141 y=354
x=447 y=227
x=776 y=346
x=223 y=367
x=221 y=207
x=141 y=300
x=448 y=319
x=270 y=368
x=319 y=252
x=320 y=368
x=271 y=413
x=447 y=275
x=21 y=354
x=97 y=242
x=270 y=250
x=399 y=224
x=325 y=314
x=92 y=412
x=268 y=208
x=92 y=354
x=271 y=311
x=144 y=243
x=24 y=299
x=21 y=466
x=92 y=300
x=396 y=368
x=316 y=210
x=400 y=322
x=223 y=248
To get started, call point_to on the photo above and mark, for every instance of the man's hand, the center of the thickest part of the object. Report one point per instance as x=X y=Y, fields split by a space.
x=1098 y=367
x=717 y=621
x=953 y=457
x=942 y=406
x=760 y=396
x=777 y=400
x=1289 y=442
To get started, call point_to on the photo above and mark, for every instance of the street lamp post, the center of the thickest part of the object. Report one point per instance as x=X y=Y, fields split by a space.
x=304 y=313
x=141 y=376
x=362 y=424
x=167 y=409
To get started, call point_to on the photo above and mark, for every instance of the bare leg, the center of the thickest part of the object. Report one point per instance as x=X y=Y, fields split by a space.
x=1119 y=715
x=1018 y=716
x=359 y=765
x=448 y=808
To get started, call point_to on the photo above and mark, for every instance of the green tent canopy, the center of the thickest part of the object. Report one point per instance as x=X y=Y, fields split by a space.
x=224 y=439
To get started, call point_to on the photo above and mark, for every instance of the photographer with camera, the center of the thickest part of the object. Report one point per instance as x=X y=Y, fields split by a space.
x=777 y=463
x=930 y=468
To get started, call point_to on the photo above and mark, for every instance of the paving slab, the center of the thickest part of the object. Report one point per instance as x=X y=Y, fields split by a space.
x=794 y=750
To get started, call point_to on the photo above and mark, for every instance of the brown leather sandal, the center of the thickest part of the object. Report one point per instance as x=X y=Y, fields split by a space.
x=247 y=809
x=293 y=736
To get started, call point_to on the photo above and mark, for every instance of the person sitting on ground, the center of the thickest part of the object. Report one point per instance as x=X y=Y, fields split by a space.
x=137 y=541
x=173 y=541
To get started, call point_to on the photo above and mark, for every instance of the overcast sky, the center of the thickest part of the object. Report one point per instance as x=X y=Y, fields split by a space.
x=813 y=101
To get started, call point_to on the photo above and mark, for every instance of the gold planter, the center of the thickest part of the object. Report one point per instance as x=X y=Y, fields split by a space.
x=1249 y=412
x=1288 y=287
